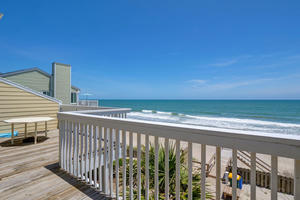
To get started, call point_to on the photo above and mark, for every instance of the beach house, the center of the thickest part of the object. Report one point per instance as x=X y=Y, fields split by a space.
x=18 y=101
x=57 y=84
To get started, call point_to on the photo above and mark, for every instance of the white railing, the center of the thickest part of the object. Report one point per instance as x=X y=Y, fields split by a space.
x=108 y=112
x=72 y=107
x=102 y=111
x=88 y=103
x=90 y=144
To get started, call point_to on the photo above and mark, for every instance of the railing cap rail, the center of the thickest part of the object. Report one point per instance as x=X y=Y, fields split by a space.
x=104 y=110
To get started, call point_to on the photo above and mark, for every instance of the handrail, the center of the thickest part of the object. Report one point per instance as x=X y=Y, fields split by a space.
x=259 y=162
x=104 y=111
x=88 y=102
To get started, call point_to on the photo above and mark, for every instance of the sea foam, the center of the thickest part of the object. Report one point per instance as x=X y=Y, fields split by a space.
x=218 y=122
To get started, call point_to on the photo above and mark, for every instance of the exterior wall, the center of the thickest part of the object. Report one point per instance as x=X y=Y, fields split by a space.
x=15 y=102
x=62 y=82
x=33 y=80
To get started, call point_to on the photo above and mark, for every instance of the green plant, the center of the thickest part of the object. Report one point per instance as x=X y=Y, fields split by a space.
x=161 y=174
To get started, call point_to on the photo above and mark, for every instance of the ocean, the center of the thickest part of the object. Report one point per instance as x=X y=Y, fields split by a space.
x=269 y=116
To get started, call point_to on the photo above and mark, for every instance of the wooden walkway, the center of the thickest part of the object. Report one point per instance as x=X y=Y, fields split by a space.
x=29 y=171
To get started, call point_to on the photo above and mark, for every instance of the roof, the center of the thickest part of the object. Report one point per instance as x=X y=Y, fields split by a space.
x=74 y=87
x=31 y=70
x=29 y=90
x=25 y=71
x=57 y=63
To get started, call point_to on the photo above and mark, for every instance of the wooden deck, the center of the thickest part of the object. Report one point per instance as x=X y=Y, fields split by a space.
x=29 y=171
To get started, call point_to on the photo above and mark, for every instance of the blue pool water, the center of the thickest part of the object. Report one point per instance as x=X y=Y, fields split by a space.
x=273 y=116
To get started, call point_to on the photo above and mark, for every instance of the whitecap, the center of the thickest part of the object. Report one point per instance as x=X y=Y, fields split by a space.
x=218 y=122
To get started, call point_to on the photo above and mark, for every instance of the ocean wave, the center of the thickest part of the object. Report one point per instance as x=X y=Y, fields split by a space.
x=247 y=121
x=149 y=111
x=219 y=122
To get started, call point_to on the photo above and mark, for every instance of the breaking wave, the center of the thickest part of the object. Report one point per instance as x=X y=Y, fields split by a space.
x=218 y=122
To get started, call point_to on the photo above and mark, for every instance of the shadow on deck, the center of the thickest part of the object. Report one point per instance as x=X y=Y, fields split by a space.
x=21 y=141
x=92 y=193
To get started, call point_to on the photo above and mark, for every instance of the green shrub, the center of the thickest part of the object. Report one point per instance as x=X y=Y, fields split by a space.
x=161 y=174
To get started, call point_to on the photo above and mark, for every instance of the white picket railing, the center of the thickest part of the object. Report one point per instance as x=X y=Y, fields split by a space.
x=88 y=102
x=89 y=145
x=109 y=112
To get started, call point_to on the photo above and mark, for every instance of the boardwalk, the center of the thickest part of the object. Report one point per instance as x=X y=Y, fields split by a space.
x=32 y=172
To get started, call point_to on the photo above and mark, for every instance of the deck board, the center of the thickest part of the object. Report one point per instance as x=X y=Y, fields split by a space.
x=29 y=171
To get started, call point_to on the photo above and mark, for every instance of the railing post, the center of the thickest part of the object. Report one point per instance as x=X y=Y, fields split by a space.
x=64 y=158
x=74 y=148
x=81 y=151
x=100 y=131
x=86 y=152
x=253 y=176
x=190 y=171
x=90 y=135
x=218 y=173
x=124 y=162
x=77 y=149
x=111 y=150
x=105 y=162
x=234 y=173
x=297 y=179
x=138 y=166
x=60 y=142
x=203 y=170
x=177 y=182
x=147 y=167
x=67 y=146
x=95 y=155
x=117 y=154
x=156 y=191
x=70 y=147
x=167 y=177
x=274 y=177
x=130 y=165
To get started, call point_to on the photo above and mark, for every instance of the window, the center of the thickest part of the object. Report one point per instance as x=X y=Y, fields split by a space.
x=46 y=93
x=73 y=97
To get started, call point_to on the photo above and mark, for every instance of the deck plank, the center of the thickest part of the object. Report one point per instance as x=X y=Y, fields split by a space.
x=29 y=171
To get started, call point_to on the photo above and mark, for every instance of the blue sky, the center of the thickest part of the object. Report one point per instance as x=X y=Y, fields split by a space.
x=159 y=49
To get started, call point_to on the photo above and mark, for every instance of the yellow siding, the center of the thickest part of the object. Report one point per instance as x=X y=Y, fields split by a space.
x=15 y=103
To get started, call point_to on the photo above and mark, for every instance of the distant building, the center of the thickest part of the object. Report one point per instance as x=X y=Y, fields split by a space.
x=57 y=84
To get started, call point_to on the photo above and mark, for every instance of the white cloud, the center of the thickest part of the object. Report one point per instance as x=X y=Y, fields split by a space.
x=231 y=85
x=232 y=61
x=225 y=63
x=197 y=81
x=204 y=85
